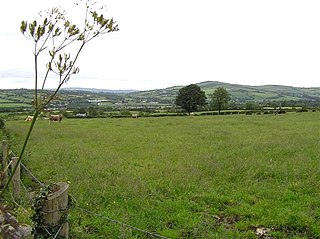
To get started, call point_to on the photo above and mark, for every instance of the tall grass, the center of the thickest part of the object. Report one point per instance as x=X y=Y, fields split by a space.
x=185 y=177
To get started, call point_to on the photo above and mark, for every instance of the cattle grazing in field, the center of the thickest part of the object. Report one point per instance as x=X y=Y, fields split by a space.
x=135 y=116
x=279 y=111
x=56 y=118
x=29 y=118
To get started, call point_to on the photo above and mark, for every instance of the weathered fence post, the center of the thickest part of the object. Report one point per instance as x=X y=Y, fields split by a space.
x=16 y=179
x=56 y=209
x=4 y=160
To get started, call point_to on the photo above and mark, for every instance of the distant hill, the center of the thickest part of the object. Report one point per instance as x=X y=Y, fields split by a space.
x=90 y=97
x=98 y=90
x=239 y=93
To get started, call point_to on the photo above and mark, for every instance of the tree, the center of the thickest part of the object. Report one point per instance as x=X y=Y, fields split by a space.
x=190 y=98
x=220 y=98
x=57 y=36
x=250 y=106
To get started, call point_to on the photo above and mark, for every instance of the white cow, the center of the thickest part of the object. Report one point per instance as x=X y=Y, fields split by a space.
x=29 y=118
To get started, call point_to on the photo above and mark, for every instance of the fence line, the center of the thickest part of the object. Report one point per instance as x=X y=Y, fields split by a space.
x=13 y=199
x=85 y=210
x=31 y=174
x=57 y=234
x=19 y=205
x=26 y=190
x=5 y=170
x=123 y=224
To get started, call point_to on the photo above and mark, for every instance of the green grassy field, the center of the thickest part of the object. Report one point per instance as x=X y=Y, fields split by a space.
x=13 y=105
x=2 y=101
x=184 y=177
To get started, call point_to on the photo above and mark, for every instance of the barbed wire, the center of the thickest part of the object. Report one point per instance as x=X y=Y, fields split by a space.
x=57 y=234
x=31 y=174
x=6 y=169
x=154 y=235
x=19 y=205
x=26 y=190
x=122 y=224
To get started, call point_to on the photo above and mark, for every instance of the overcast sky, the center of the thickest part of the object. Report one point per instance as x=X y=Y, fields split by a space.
x=163 y=43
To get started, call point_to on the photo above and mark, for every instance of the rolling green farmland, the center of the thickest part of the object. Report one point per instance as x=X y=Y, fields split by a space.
x=75 y=98
x=5 y=101
x=184 y=177
x=14 y=105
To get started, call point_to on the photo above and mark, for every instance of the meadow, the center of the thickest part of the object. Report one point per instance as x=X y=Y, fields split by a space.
x=184 y=177
x=13 y=105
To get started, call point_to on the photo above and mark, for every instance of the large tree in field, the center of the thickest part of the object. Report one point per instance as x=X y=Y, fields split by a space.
x=220 y=98
x=190 y=98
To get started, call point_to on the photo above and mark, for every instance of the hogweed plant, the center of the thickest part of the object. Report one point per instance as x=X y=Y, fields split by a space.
x=55 y=37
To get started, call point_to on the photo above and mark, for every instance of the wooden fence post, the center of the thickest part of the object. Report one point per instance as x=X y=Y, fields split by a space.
x=4 y=162
x=16 y=179
x=56 y=208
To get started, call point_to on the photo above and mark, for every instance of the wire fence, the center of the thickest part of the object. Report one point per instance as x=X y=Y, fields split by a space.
x=32 y=175
x=76 y=206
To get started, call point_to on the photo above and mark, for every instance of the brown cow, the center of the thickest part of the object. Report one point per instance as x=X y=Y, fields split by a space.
x=55 y=118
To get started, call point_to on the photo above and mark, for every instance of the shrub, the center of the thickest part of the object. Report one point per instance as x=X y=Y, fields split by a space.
x=302 y=110
x=282 y=112
x=166 y=114
x=119 y=116
x=2 y=123
x=267 y=112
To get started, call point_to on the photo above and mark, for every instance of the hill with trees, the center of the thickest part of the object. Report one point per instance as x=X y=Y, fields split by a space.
x=71 y=98
x=243 y=93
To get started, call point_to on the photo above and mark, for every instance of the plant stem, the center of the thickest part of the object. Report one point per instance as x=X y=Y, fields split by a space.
x=36 y=77
x=35 y=116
